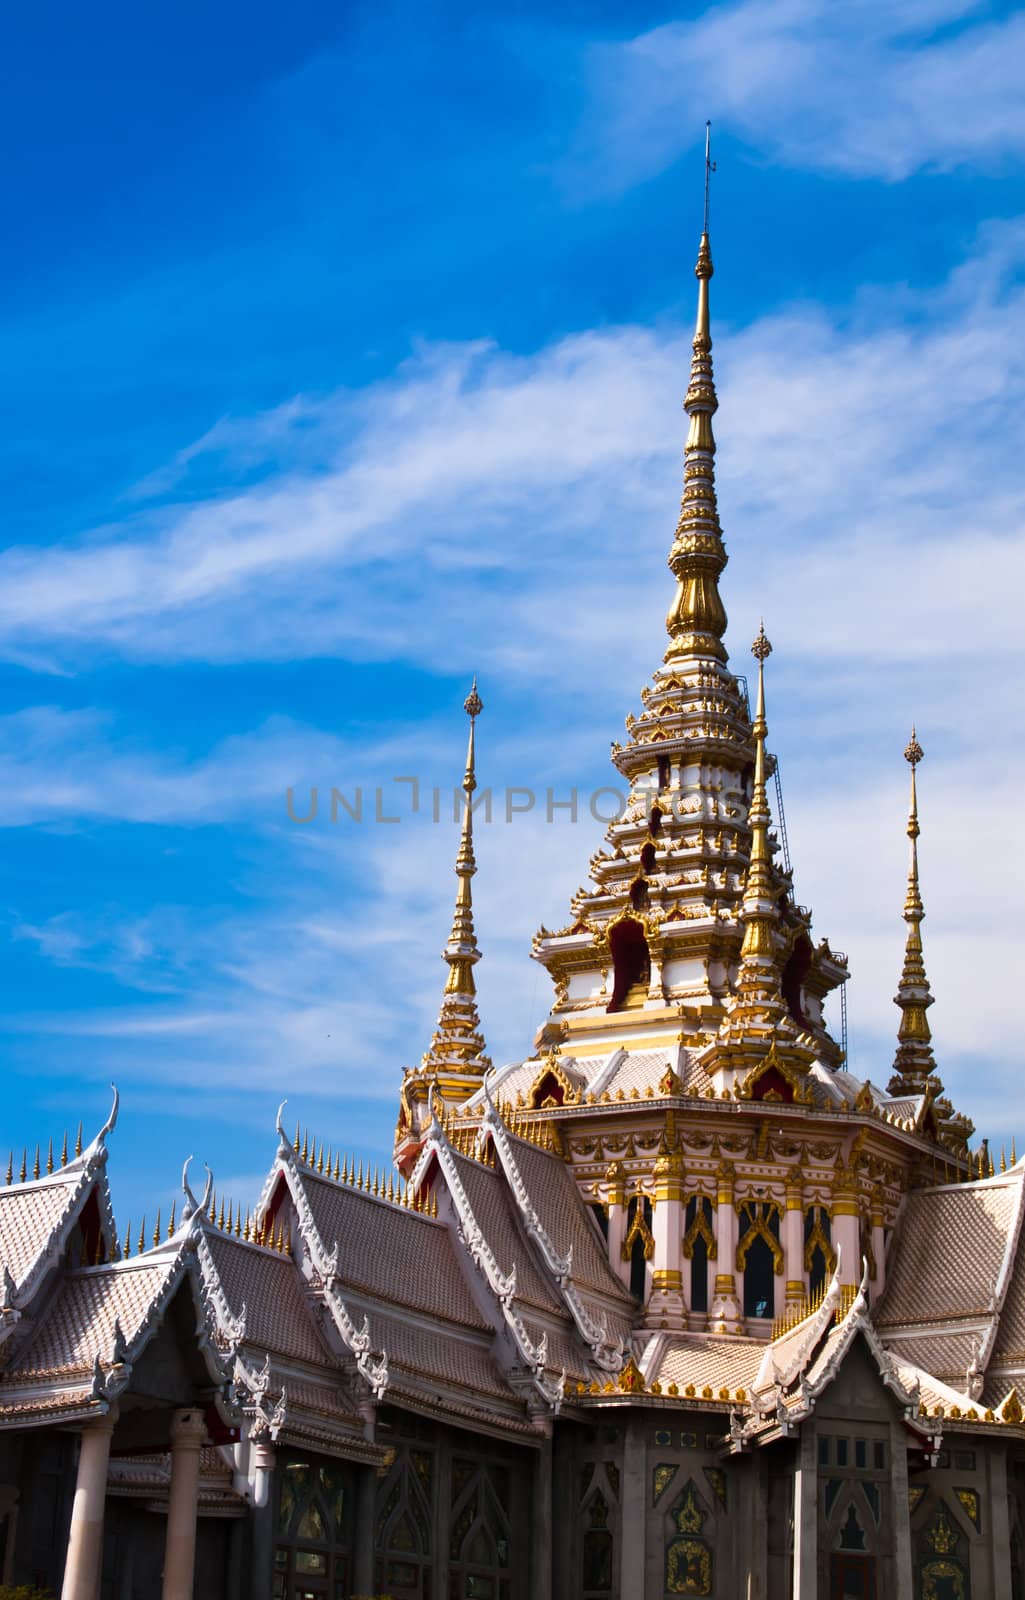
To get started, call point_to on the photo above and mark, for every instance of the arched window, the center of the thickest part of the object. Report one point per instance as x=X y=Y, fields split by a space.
x=793 y=975
x=597 y=1549
x=819 y=1255
x=699 y=1247
x=631 y=964
x=759 y=1256
x=311 y=1557
x=638 y=1243
x=479 y=1543
x=404 y=1526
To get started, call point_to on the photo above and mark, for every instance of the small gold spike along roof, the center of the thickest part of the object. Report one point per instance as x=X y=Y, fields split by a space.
x=658 y=928
x=914 y=1061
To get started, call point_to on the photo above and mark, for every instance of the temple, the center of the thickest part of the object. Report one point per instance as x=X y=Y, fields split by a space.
x=673 y=1305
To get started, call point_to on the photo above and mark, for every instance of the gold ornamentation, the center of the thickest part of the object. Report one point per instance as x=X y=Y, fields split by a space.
x=916 y=1495
x=1010 y=1410
x=700 y=1228
x=689 y=1567
x=758 y=1214
x=818 y=1240
x=638 y=1230
x=662 y=1476
x=631 y=1379
x=941 y=1535
x=969 y=1500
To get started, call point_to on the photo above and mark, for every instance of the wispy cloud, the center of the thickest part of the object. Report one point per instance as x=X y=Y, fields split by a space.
x=862 y=90
x=871 y=494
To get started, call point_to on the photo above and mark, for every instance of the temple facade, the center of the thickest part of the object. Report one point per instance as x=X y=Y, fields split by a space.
x=674 y=1305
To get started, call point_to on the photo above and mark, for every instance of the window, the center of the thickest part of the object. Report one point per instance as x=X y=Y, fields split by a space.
x=404 y=1526
x=479 y=1542
x=311 y=1557
x=759 y=1255
x=631 y=964
x=699 y=1247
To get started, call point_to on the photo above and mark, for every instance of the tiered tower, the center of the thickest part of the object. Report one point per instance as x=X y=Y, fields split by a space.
x=652 y=947
x=685 y=1071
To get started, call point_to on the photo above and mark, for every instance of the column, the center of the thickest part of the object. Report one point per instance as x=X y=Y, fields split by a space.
x=666 y=1308
x=542 y=1530
x=793 y=1241
x=615 y=1177
x=85 y=1541
x=725 y=1313
x=363 y=1552
x=846 y=1219
x=188 y=1431
x=878 y=1246
x=261 y=1475
x=903 y=1570
x=634 y=1510
x=999 y=1525
x=806 y=1511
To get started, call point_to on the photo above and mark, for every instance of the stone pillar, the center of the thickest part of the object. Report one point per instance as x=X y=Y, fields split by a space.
x=261 y=1471
x=793 y=1242
x=634 y=1511
x=363 y=1551
x=725 y=1312
x=542 y=1532
x=846 y=1218
x=806 y=1514
x=903 y=1570
x=1000 y=1525
x=188 y=1430
x=878 y=1247
x=666 y=1308
x=615 y=1177
x=85 y=1540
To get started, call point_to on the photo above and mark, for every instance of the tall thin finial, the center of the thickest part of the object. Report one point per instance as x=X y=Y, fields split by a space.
x=759 y=905
x=697 y=618
x=914 y=1060
x=458 y=1044
x=709 y=169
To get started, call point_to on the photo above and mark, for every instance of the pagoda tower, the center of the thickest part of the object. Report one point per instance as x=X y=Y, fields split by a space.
x=653 y=945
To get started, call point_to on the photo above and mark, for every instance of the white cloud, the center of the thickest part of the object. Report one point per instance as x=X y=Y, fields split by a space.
x=515 y=511
x=857 y=89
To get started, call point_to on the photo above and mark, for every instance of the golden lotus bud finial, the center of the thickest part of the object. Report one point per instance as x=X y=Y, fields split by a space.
x=913 y=751
x=473 y=705
x=761 y=648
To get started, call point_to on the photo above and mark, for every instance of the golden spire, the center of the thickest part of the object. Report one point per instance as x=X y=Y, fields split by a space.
x=914 y=1061
x=458 y=1044
x=759 y=911
x=697 y=617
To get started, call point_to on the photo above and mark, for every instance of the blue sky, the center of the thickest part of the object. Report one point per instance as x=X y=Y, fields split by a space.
x=344 y=350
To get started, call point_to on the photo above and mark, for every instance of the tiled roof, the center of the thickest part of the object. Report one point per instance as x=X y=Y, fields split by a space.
x=494 y=1210
x=948 y=1251
x=946 y=1355
x=556 y=1198
x=29 y=1214
x=398 y=1256
x=437 y=1353
x=712 y=1363
x=78 y=1324
x=278 y=1319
